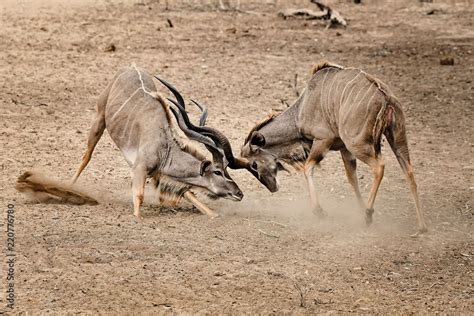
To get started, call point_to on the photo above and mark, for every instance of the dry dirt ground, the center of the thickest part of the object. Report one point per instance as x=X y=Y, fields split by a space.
x=268 y=253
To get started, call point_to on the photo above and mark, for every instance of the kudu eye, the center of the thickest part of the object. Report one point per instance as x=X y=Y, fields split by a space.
x=254 y=165
x=218 y=173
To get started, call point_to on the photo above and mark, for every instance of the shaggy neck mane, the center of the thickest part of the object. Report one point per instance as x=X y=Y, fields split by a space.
x=324 y=64
x=259 y=125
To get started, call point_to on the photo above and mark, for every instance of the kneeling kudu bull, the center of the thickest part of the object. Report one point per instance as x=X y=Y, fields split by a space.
x=139 y=123
x=341 y=109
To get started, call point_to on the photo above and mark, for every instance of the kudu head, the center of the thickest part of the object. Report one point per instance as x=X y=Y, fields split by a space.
x=217 y=185
x=263 y=161
x=213 y=175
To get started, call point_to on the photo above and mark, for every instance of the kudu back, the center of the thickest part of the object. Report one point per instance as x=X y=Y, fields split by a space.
x=342 y=109
x=139 y=123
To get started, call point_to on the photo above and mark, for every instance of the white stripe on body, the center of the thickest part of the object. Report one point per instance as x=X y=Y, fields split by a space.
x=116 y=96
x=339 y=83
x=345 y=87
x=349 y=110
x=126 y=101
x=143 y=85
x=133 y=109
x=357 y=97
x=322 y=89
x=328 y=110
x=129 y=152
x=341 y=106
x=130 y=115
x=370 y=100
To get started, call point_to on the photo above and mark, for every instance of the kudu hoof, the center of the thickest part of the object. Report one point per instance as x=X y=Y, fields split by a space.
x=319 y=212
x=368 y=216
x=138 y=217
x=420 y=232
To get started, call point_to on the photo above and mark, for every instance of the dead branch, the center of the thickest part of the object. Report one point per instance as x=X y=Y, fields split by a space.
x=308 y=14
x=302 y=290
x=334 y=16
x=325 y=13
x=264 y=221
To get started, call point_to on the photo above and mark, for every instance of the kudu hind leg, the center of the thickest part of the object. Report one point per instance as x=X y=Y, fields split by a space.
x=350 y=164
x=400 y=149
x=95 y=134
x=378 y=167
x=316 y=155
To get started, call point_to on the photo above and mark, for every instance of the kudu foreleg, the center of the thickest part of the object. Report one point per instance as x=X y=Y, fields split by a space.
x=138 y=188
x=316 y=155
x=200 y=206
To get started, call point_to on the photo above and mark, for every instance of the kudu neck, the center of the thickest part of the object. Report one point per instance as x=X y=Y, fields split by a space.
x=180 y=164
x=283 y=128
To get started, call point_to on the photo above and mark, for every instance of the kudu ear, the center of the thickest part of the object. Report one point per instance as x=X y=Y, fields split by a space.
x=205 y=166
x=256 y=140
x=281 y=166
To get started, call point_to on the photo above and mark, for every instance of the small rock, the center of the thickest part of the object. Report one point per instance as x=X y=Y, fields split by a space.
x=110 y=48
x=448 y=61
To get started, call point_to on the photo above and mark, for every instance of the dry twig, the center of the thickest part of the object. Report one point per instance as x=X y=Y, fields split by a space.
x=267 y=234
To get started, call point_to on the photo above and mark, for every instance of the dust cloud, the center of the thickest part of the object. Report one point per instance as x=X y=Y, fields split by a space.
x=40 y=187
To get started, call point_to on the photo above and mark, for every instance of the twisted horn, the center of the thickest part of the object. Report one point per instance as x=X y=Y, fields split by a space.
x=204 y=114
x=216 y=153
x=218 y=138
x=221 y=140
x=173 y=90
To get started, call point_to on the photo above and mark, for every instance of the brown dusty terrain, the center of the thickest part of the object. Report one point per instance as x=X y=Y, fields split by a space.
x=267 y=253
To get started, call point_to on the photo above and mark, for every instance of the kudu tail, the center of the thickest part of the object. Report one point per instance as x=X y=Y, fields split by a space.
x=393 y=127
x=383 y=122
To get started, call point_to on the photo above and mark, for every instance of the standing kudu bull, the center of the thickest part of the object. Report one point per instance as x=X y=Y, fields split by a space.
x=139 y=123
x=341 y=109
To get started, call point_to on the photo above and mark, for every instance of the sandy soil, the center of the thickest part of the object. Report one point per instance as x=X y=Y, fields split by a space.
x=268 y=253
